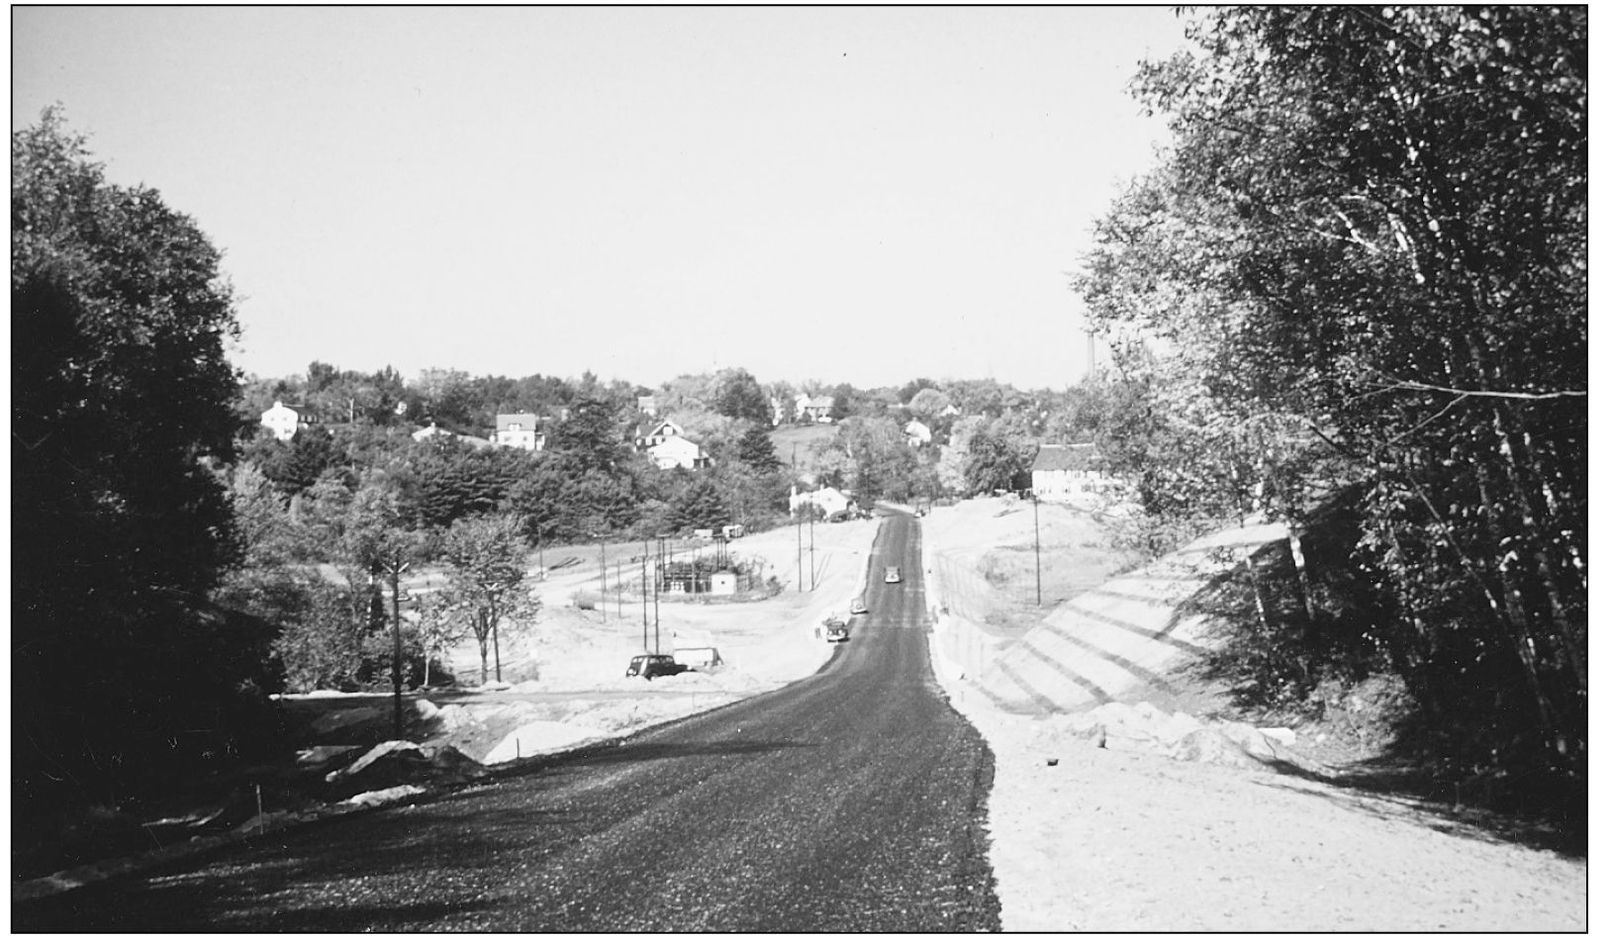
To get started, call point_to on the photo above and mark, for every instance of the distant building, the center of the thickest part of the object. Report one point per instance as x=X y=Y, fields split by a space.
x=918 y=434
x=647 y=406
x=678 y=452
x=649 y=436
x=434 y=431
x=813 y=408
x=1065 y=473
x=517 y=430
x=831 y=500
x=282 y=420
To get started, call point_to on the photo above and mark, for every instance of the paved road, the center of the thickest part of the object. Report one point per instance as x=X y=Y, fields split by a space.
x=850 y=801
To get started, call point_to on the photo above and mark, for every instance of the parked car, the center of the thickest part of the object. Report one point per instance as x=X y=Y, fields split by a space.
x=650 y=666
x=891 y=574
x=858 y=605
x=838 y=632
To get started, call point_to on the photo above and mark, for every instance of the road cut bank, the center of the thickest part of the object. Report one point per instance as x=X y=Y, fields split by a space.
x=1109 y=812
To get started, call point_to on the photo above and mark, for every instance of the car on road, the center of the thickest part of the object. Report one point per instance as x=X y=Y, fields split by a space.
x=837 y=630
x=858 y=605
x=891 y=574
x=650 y=666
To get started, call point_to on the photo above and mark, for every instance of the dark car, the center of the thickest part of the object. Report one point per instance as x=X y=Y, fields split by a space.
x=650 y=666
x=838 y=631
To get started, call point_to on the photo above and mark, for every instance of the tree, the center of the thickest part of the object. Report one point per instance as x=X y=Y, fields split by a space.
x=592 y=433
x=756 y=449
x=1373 y=228
x=121 y=397
x=378 y=540
x=739 y=395
x=485 y=559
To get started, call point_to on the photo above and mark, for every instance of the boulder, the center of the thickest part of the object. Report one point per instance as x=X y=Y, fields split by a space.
x=400 y=762
x=1249 y=739
x=1211 y=746
x=1279 y=734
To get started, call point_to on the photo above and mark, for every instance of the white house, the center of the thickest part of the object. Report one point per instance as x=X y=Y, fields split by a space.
x=918 y=434
x=282 y=420
x=815 y=408
x=517 y=430
x=830 y=499
x=649 y=436
x=433 y=431
x=678 y=452
x=1065 y=473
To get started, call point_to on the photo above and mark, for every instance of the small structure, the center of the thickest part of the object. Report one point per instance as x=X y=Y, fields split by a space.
x=918 y=434
x=517 y=430
x=434 y=432
x=830 y=500
x=282 y=420
x=1065 y=473
x=647 y=406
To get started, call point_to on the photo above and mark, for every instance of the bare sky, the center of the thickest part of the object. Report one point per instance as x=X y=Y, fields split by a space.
x=862 y=195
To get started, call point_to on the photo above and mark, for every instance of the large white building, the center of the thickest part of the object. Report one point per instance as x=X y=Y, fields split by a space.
x=282 y=420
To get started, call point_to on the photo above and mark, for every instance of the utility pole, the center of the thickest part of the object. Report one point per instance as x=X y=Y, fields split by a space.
x=799 y=553
x=659 y=573
x=397 y=567
x=813 y=549
x=603 y=581
x=643 y=566
x=1036 y=498
x=619 y=610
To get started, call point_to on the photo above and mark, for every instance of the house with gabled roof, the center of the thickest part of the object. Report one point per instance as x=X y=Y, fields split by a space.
x=814 y=408
x=1065 y=473
x=831 y=500
x=283 y=421
x=647 y=436
x=678 y=452
x=517 y=430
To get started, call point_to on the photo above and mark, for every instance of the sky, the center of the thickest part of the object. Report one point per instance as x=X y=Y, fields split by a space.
x=839 y=194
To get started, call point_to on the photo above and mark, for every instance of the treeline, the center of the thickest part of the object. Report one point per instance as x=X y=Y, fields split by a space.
x=1353 y=296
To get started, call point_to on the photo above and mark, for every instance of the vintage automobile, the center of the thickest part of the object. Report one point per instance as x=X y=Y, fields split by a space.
x=858 y=605
x=891 y=574
x=650 y=666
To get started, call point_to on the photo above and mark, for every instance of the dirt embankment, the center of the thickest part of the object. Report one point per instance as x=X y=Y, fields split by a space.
x=1128 y=797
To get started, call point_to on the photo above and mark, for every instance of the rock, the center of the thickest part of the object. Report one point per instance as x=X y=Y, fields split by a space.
x=400 y=762
x=335 y=719
x=1171 y=729
x=1210 y=746
x=1249 y=739
x=454 y=716
x=427 y=710
x=318 y=758
x=1279 y=734
x=381 y=796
